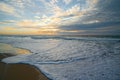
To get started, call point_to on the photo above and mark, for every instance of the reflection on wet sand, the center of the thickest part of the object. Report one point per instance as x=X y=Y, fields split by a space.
x=6 y=48
x=18 y=71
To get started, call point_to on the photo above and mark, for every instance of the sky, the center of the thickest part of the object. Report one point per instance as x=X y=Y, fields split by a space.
x=59 y=17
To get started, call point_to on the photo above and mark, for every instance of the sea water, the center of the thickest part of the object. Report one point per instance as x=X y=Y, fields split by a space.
x=69 y=58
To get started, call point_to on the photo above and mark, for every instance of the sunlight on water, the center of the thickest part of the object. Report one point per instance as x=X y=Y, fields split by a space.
x=6 y=48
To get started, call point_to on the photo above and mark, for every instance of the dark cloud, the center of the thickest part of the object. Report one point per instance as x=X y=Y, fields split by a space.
x=107 y=12
x=90 y=26
x=109 y=5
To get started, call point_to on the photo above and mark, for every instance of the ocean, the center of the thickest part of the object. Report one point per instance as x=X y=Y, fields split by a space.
x=68 y=57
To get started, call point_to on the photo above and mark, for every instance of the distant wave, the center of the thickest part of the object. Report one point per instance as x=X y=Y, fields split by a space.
x=60 y=37
x=72 y=38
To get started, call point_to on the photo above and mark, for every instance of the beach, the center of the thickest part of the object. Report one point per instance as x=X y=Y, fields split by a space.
x=60 y=58
x=19 y=71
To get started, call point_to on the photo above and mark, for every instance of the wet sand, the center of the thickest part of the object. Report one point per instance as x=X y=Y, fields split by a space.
x=19 y=71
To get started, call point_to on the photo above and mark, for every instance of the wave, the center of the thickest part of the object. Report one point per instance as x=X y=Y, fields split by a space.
x=60 y=37
x=69 y=58
x=72 y=38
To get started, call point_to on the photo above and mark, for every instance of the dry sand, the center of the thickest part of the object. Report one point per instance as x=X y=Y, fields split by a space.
x=19 y=71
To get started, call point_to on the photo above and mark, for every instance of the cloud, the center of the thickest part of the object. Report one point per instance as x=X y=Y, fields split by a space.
x=8 y=9
x=43 y=22
x=26 y=23
x=63 y=16
x=73 y=10
x=106 y=10
x=110 y=28
x=21 y=7
x=8 y=30
x=66 y=1
x=105 y=26
x=59 y=17
x=103 y=18
x=66 y=16
x=53 y=1
x=7 y=21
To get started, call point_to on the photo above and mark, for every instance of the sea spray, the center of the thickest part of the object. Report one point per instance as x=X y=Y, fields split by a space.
x=70 y=59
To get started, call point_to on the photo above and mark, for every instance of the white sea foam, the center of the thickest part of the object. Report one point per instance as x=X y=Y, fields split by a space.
x=69 y=58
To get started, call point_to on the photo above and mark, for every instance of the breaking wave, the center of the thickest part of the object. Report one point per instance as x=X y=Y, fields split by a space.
x=69 y=58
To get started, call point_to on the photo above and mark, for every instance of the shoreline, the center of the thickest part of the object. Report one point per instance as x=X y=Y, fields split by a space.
x=19 y=71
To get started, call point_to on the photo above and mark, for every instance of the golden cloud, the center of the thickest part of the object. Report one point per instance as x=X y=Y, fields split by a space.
x=8 y=9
